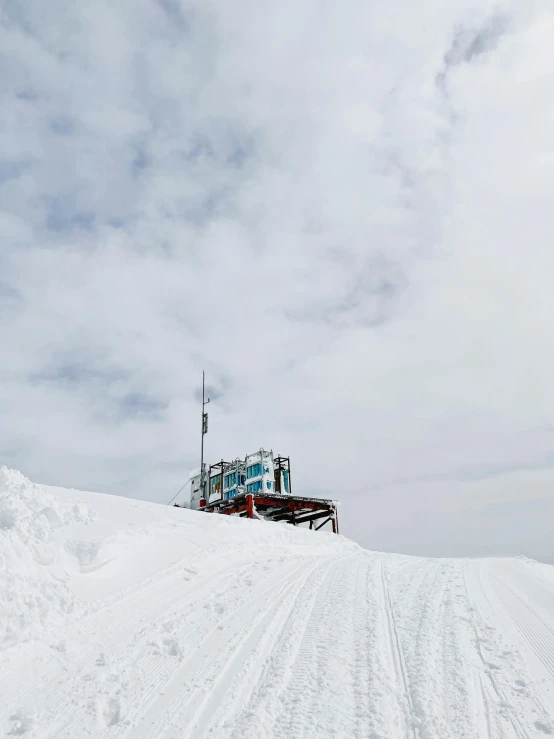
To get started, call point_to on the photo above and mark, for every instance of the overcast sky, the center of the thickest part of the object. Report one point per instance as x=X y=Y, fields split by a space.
x=342 y=211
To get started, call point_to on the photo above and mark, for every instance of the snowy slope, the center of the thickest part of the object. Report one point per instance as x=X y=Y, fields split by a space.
x=120 y=618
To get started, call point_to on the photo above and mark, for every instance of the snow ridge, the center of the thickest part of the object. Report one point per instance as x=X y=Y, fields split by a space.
x=122 y=618
x=35 y=597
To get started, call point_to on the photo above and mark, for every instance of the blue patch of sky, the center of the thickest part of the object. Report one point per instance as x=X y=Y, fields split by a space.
x=202 y=213
x=9 y=292
x=201 y=148
x=18 y=13
x=27 y=94
x=141 y=160
x=140 y=405
x=102 y=381
x=242 y=150
x=225 y=144
x=63 y=215
x=174 y=11
x=79 y=370
x=212 y=392
x=12 y=170
x=10 y=300
x=62 y=126
x=386 y=287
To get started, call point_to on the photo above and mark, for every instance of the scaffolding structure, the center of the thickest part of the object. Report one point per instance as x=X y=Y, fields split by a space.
x=274 y=507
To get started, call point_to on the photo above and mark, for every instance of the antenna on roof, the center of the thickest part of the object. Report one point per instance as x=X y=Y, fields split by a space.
x=205 y=402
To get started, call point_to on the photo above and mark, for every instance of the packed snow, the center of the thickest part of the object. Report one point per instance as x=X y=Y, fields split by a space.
x=120 y=618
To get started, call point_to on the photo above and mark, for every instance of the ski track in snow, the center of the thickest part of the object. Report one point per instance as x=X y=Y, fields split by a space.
x=248 y=630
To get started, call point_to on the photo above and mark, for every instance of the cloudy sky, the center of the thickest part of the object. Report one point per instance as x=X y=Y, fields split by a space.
x=343 y=212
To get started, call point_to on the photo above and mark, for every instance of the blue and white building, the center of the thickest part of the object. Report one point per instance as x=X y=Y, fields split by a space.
x=234 y=479
x=259 y=473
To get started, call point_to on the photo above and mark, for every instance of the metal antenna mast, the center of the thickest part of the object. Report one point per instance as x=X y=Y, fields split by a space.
x=204 y=432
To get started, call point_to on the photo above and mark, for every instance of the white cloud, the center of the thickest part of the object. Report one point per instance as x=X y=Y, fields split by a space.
x=342 y=213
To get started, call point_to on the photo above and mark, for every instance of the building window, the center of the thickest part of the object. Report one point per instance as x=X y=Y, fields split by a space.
x=286 y=480
x=230 y=479
x=254 y=470
x=254 y=487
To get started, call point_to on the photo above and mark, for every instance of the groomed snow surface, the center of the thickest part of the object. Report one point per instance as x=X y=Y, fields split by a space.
x=120 y=618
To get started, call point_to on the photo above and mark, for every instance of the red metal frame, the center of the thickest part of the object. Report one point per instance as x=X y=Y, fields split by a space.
x=274 y=507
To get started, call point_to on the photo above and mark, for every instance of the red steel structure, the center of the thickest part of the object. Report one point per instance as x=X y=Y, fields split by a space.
x=273 y=507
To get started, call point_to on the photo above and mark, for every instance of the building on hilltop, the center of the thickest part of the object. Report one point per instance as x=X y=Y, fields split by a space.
x=257 y=487
x=260 y=472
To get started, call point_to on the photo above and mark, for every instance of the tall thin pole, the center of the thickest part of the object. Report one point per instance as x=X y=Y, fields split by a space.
x=204 y=431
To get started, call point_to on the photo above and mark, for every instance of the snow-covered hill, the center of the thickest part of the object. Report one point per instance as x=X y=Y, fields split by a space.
x=120 y=618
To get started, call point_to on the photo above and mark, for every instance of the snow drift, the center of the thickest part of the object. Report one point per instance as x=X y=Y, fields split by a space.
x=120 y=618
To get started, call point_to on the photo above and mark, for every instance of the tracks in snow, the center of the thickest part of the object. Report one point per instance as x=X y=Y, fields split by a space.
x=156 y=661
x=220 y=660
x=518 y=705
x=307 y=655
x=397 y=655
x=534 y=616
x=350 y=646
x=328 y=672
